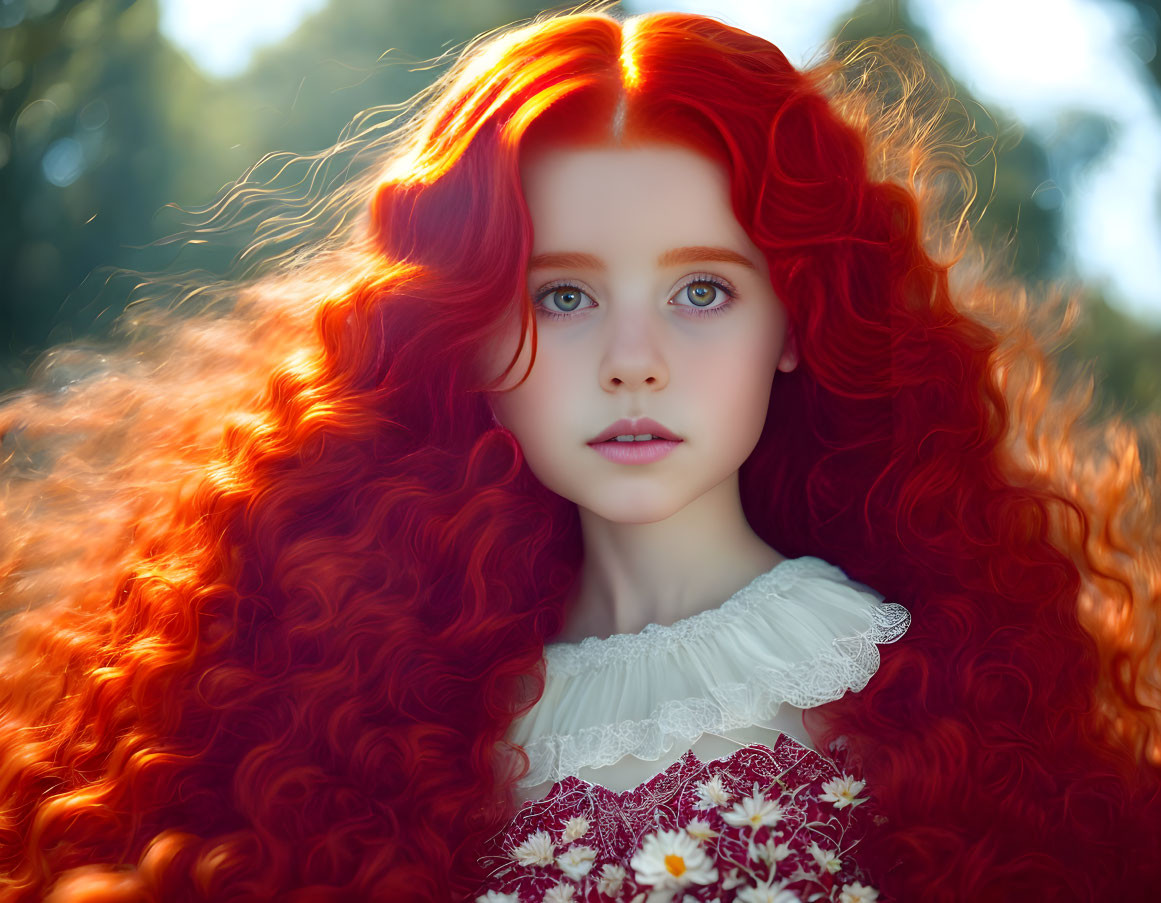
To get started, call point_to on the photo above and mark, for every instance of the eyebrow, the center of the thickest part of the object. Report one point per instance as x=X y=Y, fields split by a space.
x=695 y=254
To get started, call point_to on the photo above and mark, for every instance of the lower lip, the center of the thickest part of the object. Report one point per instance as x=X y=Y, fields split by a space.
x=636 y=452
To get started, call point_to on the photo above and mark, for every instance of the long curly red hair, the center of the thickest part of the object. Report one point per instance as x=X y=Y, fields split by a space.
x=278 y=585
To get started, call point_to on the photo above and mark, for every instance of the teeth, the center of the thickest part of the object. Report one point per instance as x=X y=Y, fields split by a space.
x=642 y=438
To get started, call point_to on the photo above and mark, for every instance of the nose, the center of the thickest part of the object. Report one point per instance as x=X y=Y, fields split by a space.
x=633 y=356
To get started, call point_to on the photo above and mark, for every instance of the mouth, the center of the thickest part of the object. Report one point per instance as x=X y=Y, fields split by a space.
x=646 y=437
x=641 y=431
x=634 y=450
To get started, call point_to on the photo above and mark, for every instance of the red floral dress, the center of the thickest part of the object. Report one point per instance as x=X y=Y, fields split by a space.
x=761 y=825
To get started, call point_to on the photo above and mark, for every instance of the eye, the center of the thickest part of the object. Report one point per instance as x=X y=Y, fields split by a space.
x=561 y=299
x=703 y=292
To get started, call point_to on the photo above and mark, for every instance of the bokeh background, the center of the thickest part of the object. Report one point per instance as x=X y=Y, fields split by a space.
x=121 y=122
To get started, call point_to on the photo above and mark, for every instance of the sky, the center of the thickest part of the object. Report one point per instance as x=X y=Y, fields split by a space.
x=222 y=35
x=1050 y=60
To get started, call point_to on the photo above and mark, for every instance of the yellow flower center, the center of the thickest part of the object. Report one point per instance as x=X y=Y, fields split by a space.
x=675 y=865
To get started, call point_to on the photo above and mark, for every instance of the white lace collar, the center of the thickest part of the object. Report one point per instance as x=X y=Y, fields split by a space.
x=803 y=633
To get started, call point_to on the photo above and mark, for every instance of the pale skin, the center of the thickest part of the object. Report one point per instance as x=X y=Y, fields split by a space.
x=629 y=245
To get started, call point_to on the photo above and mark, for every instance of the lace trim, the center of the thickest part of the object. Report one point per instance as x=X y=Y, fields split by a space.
x=848 y=664
x=599 y=652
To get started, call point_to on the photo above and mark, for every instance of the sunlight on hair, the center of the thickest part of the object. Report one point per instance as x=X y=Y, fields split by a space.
x=629 y=70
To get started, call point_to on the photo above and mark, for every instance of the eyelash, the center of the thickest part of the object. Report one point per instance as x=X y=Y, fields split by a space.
x=716 y=281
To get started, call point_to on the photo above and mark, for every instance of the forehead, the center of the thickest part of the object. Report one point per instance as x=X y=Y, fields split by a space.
x=656 y=195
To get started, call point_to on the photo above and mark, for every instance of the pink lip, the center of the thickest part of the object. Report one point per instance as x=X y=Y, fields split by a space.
x=641 y=425
x=636 y=452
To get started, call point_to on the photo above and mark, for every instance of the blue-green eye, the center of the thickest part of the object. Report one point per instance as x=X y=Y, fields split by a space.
x=567 y=298
x=706 y=295
x=561 y=299
x=701 y=294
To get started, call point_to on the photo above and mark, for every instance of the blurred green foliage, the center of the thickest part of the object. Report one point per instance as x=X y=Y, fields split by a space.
x=1017 y=213
x=108 y=133
x=1008 y=165
x=86 y=161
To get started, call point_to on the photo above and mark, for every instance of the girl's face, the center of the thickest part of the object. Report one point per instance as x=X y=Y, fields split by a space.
x=651 y=302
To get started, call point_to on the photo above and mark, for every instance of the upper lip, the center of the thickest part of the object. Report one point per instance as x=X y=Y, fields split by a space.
x=637 y=427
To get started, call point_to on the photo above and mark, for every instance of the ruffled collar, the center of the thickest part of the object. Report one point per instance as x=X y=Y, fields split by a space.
x=803 y=633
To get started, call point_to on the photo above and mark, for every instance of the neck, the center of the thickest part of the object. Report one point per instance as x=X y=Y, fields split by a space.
x=638 y=574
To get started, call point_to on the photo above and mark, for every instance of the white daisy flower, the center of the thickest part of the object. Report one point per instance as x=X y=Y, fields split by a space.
x=754 y=811
x=699 y=829
x=826 y=859
x=497 y=897
x=843 y=792
x=575 y=828
x=610 y=881
x=768 y=893
x=537 y=849
x=858 y=893
x=671 y=860
x=712 y=794
x=576 y=862
x=772 y=853
x=560 y=893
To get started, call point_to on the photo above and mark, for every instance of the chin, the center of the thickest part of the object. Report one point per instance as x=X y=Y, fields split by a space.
x=629 y=511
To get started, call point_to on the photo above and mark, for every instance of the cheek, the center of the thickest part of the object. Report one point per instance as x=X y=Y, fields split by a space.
x=735 y=391
x=516 y=409
x=538 y=416
x=495 y=356
x=532 y=410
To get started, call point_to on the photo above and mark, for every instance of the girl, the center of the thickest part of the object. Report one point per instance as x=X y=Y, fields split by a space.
x=328 y=579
